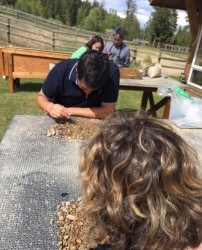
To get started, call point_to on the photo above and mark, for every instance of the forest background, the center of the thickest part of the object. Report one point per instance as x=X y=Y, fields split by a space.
x=162 y=25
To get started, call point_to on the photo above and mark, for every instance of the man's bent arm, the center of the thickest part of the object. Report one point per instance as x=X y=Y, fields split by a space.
x=54 y=110
x=58 y=111
x=94 y=112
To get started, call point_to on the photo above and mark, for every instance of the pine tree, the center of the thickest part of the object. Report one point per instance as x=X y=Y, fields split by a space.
x=162 y=25
x=131 y=24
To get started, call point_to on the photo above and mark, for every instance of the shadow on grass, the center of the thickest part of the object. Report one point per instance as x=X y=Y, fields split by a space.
x=29 y=87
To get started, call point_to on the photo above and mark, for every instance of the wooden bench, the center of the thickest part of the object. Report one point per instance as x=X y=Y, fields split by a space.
x=27 y=63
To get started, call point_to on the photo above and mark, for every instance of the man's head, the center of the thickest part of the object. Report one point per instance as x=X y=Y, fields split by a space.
x=92 y=70
x=118 y=36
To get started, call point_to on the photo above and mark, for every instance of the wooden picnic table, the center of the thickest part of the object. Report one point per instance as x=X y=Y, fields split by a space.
x=148 y=86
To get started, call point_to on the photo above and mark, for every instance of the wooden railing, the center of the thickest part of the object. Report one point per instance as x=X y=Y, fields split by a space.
x=40 y=22
x=164 y=55
x=22 y=29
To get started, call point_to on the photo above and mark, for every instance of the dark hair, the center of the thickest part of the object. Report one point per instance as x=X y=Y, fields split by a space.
x=93 y=40
x=140 y=184
x=93 y=67
x=119 y=32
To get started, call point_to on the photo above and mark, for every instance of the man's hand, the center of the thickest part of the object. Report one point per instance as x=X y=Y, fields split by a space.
x=56 y=110
x=93 y=112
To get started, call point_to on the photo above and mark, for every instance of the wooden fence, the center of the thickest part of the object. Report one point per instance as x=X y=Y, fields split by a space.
x=172 y=53
x=23 y=29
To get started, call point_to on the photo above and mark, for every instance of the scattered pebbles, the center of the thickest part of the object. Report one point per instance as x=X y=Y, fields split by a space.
x=74 y=128
x=74 y=233
x=73 y=226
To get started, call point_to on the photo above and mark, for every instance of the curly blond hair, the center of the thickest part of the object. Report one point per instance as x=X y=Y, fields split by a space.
x=140 y=184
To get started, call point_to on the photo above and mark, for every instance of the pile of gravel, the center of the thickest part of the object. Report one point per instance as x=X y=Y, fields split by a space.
x=74 y=233
x=74 y=128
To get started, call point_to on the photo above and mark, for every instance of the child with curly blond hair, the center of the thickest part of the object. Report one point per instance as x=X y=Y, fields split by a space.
x=140 y=185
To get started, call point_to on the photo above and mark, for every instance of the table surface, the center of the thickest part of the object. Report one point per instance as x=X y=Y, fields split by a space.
x=37 y=174
x=193 y=136
x=163 y=81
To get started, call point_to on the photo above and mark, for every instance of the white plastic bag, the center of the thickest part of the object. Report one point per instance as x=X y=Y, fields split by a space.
x=154 y=71
x=185 y=112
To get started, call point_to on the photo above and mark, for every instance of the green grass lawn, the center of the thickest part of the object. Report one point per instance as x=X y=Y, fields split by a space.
x=23 y=101
x=20 y=103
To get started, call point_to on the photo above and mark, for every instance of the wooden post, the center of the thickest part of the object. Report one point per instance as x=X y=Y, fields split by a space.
x=10 y=74
x=160 y=54
x=2 y=69
x=53 y=44
x=153 y=45
x=8 y=32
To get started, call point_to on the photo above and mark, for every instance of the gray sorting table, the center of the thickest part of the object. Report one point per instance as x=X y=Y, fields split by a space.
x=193 y=136
x=37 y=173
x=148 y=86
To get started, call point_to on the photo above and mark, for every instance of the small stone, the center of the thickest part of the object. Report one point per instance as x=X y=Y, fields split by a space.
x=61 y=218
x=51 y=221
x=71 y=217
x=78 y=241
x=66 y=237
x=49 y=134
x=59 y=243
x=52 y=131
x=72 y=248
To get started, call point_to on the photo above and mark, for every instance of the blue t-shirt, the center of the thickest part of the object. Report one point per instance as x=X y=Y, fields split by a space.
x=60 y=85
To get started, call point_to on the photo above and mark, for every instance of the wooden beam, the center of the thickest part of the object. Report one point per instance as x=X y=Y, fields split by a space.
x=193 y=18
x=172 y=4
x=193 y=15
x=61 y=56
x=10 y=71
x=29 y=74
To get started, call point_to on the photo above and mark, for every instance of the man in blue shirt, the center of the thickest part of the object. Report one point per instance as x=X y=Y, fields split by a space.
x=85 y=87
x=120 y=53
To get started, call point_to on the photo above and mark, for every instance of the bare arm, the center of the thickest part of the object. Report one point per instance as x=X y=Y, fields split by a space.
x=59 y=111
x=95 y=112
x=54 y=110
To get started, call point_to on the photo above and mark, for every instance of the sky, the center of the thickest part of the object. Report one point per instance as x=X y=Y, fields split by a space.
x=143 y=10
